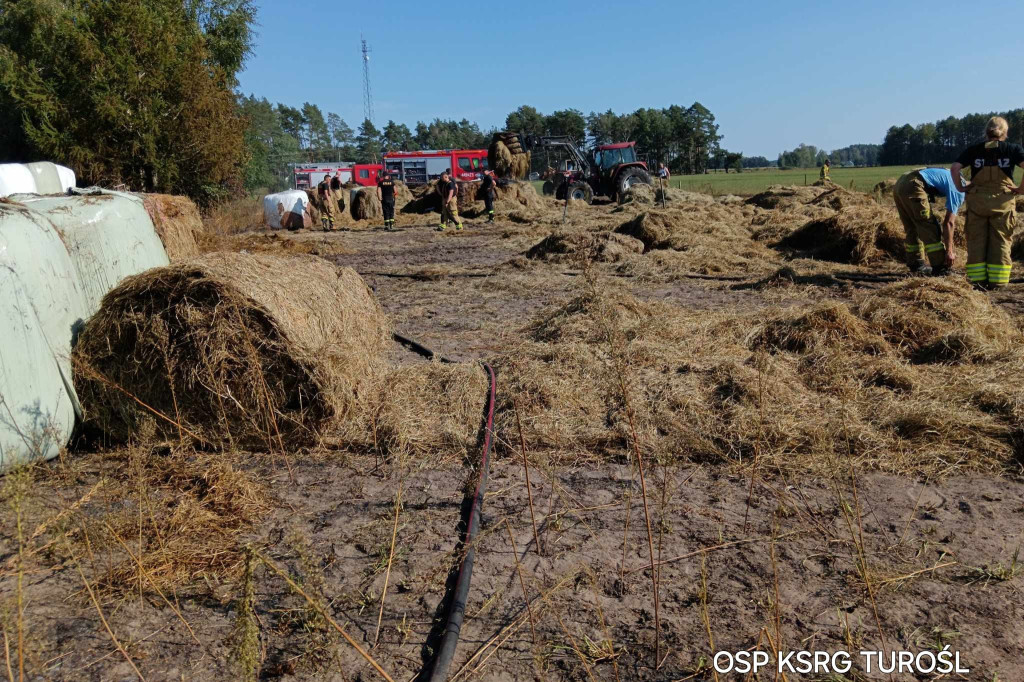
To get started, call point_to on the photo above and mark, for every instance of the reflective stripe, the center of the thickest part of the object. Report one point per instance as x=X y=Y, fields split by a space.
x=999 y=274
x=933 y=247
x=977 y=272
x=913 y=247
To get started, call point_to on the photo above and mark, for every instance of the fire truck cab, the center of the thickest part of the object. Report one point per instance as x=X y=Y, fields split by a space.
x=419 y=168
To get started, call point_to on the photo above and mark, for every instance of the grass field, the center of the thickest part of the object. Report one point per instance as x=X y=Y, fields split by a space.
x=753 y=181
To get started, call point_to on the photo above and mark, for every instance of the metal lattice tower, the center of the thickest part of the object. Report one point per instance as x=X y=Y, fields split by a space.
x=367 y=94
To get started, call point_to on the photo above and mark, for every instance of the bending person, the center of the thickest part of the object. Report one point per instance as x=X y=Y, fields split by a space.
x=913 y=194
x=991 y=214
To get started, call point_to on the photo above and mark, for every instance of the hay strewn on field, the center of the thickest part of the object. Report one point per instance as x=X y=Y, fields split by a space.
x=239 y=350
x=638 y=194
x=177 y=222
x=579 y=246
x=429 y=410
x=922 y=376
x=857 y=235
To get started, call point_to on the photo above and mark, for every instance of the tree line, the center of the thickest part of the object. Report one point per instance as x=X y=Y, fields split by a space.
x=942 y=141
x=809 y=156
x=686 y=139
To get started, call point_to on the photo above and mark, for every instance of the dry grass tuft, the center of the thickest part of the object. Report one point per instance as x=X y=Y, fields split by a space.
x=430 y=411
x=178 y=224
x=858 y=234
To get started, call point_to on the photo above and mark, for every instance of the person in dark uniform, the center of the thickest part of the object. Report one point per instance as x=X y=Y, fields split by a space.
x=991 y=204
x=448 y=191
x=489 y=188
x=386 y=194
x=323 y=191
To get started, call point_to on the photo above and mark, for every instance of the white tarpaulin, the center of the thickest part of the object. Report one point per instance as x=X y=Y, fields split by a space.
x=110 y=236
x=289 y=209
x=41 y=308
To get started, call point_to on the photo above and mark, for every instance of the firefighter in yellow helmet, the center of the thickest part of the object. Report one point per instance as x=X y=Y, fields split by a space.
x=991 y=198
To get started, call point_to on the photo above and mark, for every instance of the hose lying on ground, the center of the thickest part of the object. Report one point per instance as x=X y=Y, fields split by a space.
x=457 y=609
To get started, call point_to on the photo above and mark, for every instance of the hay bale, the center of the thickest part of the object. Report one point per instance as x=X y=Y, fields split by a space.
x=402 y=195
x=177 y=222
x=467 y=194
x=856 y=235
x=455 y=393
x=571 y=246
x=242 y=350
x=366 y=205
x=506 y=162
x=639 y=194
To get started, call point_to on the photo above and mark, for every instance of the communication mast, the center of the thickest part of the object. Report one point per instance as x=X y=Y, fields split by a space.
x=367 y=94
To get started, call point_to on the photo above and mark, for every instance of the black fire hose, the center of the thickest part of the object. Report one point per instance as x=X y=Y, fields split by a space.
x=457 y=609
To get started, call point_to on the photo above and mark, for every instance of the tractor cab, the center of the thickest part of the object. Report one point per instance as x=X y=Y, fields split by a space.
x=608 y=156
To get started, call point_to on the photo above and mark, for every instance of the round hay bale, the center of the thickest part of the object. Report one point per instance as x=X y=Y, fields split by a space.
x=402 y=195
x=177 y=222
x=366 y=205
x=575 y=245
x=424 y=199
x=468 y=195
x=240 y=350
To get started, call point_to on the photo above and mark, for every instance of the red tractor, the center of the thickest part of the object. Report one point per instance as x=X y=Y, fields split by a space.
x=614 y=169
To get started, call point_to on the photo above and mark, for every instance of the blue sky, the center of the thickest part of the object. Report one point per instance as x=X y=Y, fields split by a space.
x=775 y=74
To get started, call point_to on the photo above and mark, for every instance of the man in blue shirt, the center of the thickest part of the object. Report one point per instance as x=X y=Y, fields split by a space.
x=913 y=194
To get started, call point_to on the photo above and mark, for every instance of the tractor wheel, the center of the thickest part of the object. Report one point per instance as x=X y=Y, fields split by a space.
x=581 y=191
x=548 y=188
x=631 y=176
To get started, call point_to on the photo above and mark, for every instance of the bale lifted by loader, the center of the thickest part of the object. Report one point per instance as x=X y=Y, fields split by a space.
x=613 y=169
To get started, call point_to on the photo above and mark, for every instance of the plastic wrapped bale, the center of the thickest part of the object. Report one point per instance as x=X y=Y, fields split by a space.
x=109 y=235
x=366 y=205
x=16 y=179
x=48 y=180
x=288 y=210
x=41 y=309
x=177 y=222
x=249 y=350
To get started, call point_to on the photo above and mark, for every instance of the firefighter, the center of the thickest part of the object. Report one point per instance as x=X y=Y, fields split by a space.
x=448 y=191
x=323 y=191
x=991 y=214
x=489 y=189
x=913 y=194
x=825 y=168
x=386 y=194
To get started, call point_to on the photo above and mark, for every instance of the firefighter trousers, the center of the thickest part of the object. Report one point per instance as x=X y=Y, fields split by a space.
x=920 y=225
x=991 y=219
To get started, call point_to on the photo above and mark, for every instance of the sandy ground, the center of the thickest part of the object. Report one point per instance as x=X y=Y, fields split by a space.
x=769 y=564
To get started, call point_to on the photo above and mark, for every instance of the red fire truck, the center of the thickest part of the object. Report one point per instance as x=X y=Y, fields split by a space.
x=419 y=168
x=309 y=175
